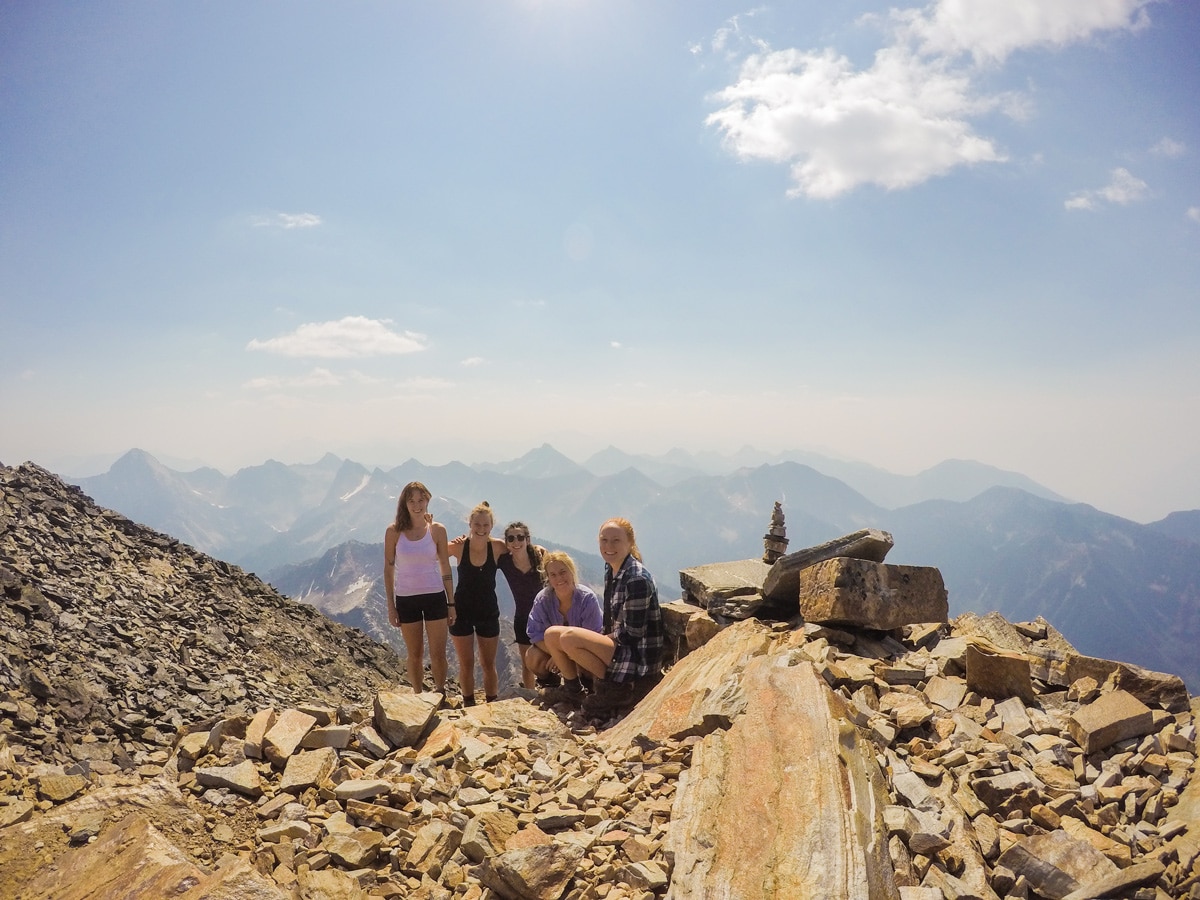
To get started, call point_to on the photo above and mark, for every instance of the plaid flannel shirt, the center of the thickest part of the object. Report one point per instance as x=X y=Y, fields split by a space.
x=633 y=619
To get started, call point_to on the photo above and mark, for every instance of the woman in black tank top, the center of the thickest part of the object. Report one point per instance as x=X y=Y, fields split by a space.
x=477 y=607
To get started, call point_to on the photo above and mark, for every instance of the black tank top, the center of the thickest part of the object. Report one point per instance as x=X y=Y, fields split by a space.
x=476 y=584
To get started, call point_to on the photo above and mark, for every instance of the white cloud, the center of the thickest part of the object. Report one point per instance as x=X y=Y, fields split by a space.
x=1193 y=213
x=896 y=124
x=286 y=221
x=353 y=336
x=1168 y=148
x=472 y=361
x=989 y=30
x=616 y=345
x=1123 y=188
x=728 y=38
x=908 y=117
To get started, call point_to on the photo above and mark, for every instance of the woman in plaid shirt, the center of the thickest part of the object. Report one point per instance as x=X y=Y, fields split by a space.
x=626 y=659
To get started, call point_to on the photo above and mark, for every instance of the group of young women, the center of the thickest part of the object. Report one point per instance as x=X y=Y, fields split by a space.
x=562 y=629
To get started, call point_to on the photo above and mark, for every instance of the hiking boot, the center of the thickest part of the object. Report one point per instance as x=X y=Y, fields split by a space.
x=548 y=681
x=571 y=692
x=616 y=696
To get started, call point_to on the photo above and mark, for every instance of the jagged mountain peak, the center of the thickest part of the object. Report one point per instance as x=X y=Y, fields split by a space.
x=540 y=462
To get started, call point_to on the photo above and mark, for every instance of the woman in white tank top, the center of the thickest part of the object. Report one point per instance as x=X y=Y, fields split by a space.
x=419 y=586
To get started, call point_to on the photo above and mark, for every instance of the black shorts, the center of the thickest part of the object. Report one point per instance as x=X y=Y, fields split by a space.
x=422 y=607
x=476 y=613
x=485 y=627
x=521 y=624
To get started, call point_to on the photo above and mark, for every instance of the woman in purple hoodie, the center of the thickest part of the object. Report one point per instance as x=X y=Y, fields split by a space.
x=563 y=603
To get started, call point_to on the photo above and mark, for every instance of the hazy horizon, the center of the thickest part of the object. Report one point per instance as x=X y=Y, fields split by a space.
x=99 y=464
x=896 y=234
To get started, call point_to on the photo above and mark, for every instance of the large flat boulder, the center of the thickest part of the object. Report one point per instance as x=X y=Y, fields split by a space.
x=1110 y=718
x=731 y=589
x=1152 y=688
x=782 y=582
x=847 y=591
x=787 y=803
x=700 y=692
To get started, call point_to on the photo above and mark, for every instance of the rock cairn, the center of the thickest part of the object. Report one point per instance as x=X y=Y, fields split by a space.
x=775 y=540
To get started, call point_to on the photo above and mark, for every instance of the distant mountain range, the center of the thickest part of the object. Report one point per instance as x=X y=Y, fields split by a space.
x=1115 y=588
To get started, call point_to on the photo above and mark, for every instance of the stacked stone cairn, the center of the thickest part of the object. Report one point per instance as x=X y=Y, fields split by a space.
x=775 y=540
x=823 y=731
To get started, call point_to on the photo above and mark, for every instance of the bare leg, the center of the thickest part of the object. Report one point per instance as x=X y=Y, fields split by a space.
x=464 y=649
x=552 y=644
x=538 y=661
x=528 y=678
x=438 y=629
x=584 y=649
x=487 y=661
x=414 y=644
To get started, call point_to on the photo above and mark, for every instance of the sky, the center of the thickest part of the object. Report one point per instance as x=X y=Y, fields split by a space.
x=240 y=231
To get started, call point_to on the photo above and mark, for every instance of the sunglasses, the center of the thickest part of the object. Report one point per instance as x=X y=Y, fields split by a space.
x=516 y=537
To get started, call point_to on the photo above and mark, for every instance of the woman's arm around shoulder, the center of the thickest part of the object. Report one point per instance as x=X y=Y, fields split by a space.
x=438 y=530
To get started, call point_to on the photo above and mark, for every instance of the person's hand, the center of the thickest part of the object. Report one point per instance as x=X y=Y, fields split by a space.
x=451 y=615
x=461 y=539
x=428 y=518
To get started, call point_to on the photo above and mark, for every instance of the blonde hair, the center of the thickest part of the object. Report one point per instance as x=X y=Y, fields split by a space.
x=480 y=509
x=627 y=527
x=559 y=556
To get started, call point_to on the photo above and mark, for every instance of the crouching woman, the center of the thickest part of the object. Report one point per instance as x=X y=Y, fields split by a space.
x=626 y=658
x=564 y=604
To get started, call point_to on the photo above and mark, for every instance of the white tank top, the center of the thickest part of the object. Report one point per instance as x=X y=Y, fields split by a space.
x=417 y=568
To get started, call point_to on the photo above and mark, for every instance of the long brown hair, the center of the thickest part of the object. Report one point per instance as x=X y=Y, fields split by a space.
x=535 y=558
x=403 y=519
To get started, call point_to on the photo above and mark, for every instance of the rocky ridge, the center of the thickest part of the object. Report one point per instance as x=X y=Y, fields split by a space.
x=796 y=758
x=113 y=636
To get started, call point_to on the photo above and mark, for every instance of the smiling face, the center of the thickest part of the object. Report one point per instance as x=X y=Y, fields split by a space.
x=560 y=577
x=480 y=524
x=615 y=544
x=417 y=503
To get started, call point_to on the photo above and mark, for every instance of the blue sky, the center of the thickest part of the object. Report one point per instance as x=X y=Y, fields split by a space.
x=239 y=231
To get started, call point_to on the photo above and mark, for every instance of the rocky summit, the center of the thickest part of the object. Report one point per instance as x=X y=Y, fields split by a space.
x=174 y=728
